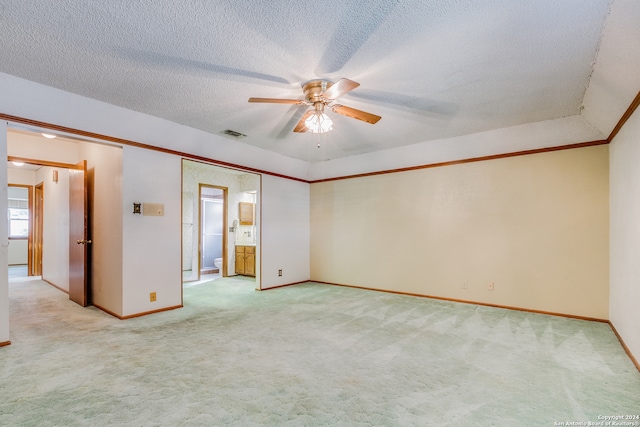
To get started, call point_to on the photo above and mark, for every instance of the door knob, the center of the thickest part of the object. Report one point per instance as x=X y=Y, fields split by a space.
x=82 y=242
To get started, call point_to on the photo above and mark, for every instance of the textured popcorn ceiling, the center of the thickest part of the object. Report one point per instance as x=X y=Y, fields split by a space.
x=431 y=69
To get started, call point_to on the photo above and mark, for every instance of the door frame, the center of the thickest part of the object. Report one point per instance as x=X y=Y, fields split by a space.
x=225 y=258
x=38 y=227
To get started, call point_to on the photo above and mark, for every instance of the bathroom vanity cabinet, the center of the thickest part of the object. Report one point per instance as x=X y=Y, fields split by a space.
x=246 y=211
x=246 y=260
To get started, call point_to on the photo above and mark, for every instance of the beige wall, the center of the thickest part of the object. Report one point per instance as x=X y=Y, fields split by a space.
x=104 y=166
x=30 y=146
x=21 y=176
x=55 y=227
x=18 y=252
x=536 y=226
x=149 y=245
x=285 y=233
x=625 y=234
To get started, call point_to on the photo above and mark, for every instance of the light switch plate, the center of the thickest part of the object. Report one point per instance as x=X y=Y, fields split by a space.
x=153 y=209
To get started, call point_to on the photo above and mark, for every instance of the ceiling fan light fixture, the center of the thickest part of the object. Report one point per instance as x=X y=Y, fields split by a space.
x=320 y=94
x=318 y=123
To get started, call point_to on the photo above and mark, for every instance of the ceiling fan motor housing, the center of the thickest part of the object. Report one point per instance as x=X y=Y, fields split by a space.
x=314 y=89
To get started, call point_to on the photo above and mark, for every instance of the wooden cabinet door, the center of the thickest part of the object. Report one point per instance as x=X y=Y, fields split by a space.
x=240 y=260
x=246 y=213
x=246 y=260
x=250 y=264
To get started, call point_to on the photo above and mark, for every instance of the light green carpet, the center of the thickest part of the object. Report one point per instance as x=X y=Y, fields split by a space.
x=306 y=355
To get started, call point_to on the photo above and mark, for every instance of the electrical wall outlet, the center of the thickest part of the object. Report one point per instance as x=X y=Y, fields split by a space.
x=490 y=287
x=463 y=285
x=279 y=273
x=152 y=297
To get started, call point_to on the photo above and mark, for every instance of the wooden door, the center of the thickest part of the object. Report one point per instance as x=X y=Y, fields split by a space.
x=79 y=241
x=35 y=267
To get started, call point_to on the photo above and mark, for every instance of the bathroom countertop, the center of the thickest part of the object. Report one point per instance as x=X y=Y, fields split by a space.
x=244 y=244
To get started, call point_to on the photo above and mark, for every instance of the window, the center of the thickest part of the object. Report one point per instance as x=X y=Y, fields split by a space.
x=18 y=214
x=18 y=222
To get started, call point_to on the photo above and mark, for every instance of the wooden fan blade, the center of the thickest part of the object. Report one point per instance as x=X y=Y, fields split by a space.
x=276 y=100
x=300 y=127
x=341 y=87
x=356 y=114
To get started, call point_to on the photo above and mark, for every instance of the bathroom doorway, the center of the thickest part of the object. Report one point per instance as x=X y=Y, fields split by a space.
x=240 y=186
x=212 y=237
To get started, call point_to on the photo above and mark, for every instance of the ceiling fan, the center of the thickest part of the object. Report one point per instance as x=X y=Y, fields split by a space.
x=320 y=94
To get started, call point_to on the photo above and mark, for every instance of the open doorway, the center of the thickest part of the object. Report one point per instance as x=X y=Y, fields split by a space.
x=21 y=231
x=58 y=162
x=68 y=221
x=206 y=189
x=212 y=237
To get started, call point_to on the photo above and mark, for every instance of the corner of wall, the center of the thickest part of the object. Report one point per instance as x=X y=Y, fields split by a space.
x=624 y=234
x=4 y=280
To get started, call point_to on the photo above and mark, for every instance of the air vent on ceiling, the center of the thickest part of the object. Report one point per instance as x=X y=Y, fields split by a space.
x=233 y=134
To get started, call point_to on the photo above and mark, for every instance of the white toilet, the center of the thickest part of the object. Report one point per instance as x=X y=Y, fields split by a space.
x=218 y=263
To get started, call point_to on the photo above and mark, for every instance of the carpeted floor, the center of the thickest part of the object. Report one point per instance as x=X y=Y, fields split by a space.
x=306 y=355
